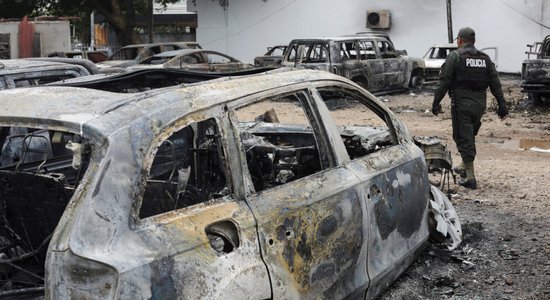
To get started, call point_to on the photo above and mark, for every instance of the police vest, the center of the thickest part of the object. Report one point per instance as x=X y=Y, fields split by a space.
x=472 y=71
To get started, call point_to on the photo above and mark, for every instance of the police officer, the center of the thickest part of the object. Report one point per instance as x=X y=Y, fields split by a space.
x=466 y=74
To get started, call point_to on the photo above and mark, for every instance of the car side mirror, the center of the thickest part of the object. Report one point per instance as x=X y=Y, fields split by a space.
x=402 y=52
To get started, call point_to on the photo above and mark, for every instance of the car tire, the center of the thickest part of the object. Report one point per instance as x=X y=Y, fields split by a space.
x=536 y=98
x=539 y=99
x=416 y=82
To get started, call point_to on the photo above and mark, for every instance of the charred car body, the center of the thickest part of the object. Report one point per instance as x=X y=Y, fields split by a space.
x=26 y=72
x=535 y=73
x=369 y=60
x=272 y=58
x=210 y=190
x=133 y=54
x=198 y=60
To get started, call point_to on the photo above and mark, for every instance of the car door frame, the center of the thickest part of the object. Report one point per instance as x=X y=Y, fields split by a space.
x=373 y=68
x=182 y=247
x=494 y=58
x=287 y=220
x=388 y=177
x=396 y=69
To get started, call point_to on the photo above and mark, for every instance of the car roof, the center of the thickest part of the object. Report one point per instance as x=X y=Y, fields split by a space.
x=445 y=46
x=100 y=113
x=173 y=53
x=339 y=38
x=373 y=33
x=159 y=44
x=85 y=63
x=12 y=66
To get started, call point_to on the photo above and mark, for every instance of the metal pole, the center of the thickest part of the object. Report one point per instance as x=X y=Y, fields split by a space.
x=92 y=32
x=450 y=22
x=150 y=20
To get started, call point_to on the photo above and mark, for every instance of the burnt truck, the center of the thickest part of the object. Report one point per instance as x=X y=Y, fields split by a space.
x=367 y=59
x=535 y=73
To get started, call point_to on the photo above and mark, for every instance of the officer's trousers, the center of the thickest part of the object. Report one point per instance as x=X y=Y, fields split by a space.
x=466 y=119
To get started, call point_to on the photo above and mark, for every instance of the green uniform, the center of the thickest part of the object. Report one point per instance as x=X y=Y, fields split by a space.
x=466 y=74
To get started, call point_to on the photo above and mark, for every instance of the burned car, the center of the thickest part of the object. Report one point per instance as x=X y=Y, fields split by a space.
x=132 y=54
x=147 y=79
x=194 y=60
x=16 y=73
x=257 y=187
x=436 y=55
x=272 y=58
x=369 y=60
x=95 y=56
x=535 y=72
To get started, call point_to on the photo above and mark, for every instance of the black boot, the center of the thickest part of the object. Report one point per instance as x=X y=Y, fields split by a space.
x=468 y=183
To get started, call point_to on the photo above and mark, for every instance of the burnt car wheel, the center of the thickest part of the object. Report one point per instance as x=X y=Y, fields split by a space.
x=539 y=99
x=416 y=82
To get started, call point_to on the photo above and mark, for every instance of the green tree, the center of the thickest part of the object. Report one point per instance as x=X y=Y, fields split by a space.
x=119 y=14
x=17 y=8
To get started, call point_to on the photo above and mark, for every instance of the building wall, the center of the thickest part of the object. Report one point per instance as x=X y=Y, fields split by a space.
x=246 y=27
x=179 y=7
x=54 y=36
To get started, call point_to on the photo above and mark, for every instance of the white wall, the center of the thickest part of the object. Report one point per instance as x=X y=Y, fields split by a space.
x=247 y=27
x=54 y=36
x=179 y=7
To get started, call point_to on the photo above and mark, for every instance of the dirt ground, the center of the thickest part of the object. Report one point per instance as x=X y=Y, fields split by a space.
x=505 y=253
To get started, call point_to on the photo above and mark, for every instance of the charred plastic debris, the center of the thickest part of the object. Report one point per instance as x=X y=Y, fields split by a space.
x=439 y=160
x=40 y=170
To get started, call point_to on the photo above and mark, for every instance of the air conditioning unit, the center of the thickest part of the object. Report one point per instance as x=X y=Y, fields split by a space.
x=378 y=19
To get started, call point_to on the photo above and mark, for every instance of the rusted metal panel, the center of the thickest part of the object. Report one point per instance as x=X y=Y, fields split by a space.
x=26 y=38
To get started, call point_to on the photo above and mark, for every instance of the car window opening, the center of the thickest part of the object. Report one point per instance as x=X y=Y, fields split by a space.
x=369 y=135
x=280 y=146
x=39 y=172
x=188 y=169
x=367 y=50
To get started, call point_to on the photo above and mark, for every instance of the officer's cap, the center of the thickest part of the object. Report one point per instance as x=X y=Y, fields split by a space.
x=467 y=33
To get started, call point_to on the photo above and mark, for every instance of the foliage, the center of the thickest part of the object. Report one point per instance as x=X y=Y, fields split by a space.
x=17 y=8
x=117 y=13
